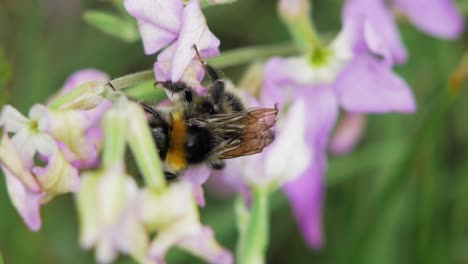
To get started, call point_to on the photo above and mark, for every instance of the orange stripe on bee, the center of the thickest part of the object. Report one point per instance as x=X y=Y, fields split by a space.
x=175 y=158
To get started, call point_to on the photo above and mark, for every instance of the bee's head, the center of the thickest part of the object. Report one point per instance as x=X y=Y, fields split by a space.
x=161 y=135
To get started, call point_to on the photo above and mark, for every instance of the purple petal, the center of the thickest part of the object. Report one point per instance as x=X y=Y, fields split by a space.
x=154 y=38
x=306 y=192
x=194 y=31
x=305 y=195
x=192 y=75
x=348 y=134
x=439 y=18
x=322 y=104
x=281 y=75
x=159 y=21
x=229 y=181
x=81 y=77
x=357 y=13
x=25 y=201
x=369 y=86
x=197 y=176
x=199 y=195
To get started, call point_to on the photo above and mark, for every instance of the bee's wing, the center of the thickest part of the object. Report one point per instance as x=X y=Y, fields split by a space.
x=242 y=133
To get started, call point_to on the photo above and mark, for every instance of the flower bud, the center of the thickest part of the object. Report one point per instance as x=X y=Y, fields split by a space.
x=292 y=9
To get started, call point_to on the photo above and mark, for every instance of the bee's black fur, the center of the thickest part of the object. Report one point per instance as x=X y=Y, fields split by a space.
x=199 y=144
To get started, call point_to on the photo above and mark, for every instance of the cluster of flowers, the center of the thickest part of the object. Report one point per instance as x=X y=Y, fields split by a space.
x=56 y=150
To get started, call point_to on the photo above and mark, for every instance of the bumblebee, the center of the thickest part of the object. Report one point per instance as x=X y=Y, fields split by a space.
x=209 y=128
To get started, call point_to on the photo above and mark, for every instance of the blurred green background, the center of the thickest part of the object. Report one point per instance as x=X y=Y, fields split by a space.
x=400 y=197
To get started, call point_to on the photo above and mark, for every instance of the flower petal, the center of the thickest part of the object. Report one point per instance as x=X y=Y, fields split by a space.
x=439 y=18
x=27 y=202
x=306 y=192
x=348 y=134
x=305 y=195
x=12 y=120
x=87 y=210
x=159 y=21
x=58 y=176
x=69 y=127
x=194 y=31
x=204 y=245
x=11 y=160
x=197 y=176
x=357 y=13
x=288 y=156
x=25 y=146
x=369 y=86
x=81 y=77
x=192 y=75
x=154 y=38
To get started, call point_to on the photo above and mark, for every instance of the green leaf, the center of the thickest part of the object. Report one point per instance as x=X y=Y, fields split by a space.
x=113 y=25
x=463 y=6
x=5 y=75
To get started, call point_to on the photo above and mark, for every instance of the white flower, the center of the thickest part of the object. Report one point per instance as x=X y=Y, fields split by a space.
x=108 y=210
x=30 y=184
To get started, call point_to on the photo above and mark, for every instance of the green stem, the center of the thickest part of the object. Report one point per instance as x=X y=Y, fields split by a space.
x=115 y=123
x=300 y=26
x=254 y=243
x=143 y=147
x=208 y=3
x=303 y=33
x=249 y=54
x=226 y=59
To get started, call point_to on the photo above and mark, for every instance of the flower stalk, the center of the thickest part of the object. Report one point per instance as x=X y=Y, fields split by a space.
x=226 y=59
x=142 y=145
x=115 y=123
x=254 y=240
x=296 y=16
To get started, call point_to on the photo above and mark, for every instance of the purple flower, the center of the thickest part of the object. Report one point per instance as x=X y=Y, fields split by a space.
x=170 y=26
x=345 y=74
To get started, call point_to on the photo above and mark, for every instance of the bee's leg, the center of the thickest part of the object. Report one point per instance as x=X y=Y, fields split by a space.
x=217 y=92
x=208 y=69
x=170 y=176
x=177 y=87
x=217 y=164
x=148 y=109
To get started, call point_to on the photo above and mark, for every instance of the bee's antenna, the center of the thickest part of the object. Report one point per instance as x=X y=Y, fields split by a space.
x=199 y=56
x=213 y=74
x=111 y=86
